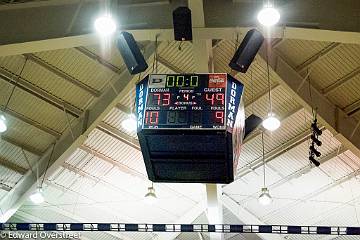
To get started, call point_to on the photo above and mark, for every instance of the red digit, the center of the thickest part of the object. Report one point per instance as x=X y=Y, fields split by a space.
x=166 y=99
x=186 y=96
x=158 y=95
x=219 y=117
x=220 y=97
x=147 y=118
x=210 y=99
x=154 y=117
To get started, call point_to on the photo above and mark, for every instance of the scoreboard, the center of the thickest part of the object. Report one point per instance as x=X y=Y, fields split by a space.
x=188 y=121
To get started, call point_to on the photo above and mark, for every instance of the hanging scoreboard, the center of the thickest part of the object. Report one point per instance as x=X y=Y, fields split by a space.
x=190 y=126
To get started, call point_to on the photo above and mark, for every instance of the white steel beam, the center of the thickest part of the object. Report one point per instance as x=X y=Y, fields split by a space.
x=353 y=108
x=326 y=91
x=279 y=150
x=247 y=217
x=312 y=60
x=67 y=144
x=333 y=117
x=188 y=217
x=120 y=166
x=27 y=148
x=38 y=92
x=32 y=122
x=203 y=58
x=117 y=134
x=12 y=166
x=63 y=75
x=168 y=34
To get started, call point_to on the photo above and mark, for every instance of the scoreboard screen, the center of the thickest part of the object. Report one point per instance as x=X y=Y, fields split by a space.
x=185 y=101
x=190 y=126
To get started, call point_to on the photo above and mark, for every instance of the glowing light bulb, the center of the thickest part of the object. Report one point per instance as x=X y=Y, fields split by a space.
x=130 y=123
x=37 y=197
x=3 y=126
x=265 y=198
x=271 y=123
x=268 y=16
x=105 y=25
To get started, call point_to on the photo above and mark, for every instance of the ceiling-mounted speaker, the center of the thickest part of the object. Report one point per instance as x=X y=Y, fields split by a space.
x=182 y=24
x=247 y=51
x=130 y=51
x=251 y=123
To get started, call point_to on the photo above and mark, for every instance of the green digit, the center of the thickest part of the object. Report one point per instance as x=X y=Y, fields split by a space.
x=180 y=81
x=170 y=81
x=194 y=81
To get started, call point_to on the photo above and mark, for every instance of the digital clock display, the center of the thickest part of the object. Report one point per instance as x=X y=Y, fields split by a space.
x=185 y=101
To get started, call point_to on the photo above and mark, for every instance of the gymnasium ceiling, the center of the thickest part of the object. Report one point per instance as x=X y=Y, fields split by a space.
x=72 y=92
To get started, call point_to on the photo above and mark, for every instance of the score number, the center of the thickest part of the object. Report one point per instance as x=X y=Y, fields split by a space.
x=215 y=98
x=159 y=99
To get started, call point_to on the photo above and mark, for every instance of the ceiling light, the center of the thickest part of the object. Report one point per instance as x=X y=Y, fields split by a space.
x=265 y=198
x=271 y=123
x=130 y=123
x=3 y=126
x=268 y=16
x=150 y=197
x=105 y=25
x=37 y=197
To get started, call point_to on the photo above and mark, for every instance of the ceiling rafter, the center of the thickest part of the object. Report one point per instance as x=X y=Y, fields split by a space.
x=339 y=82
x=62 y=74
x=5 y=187
x=32 y=123
x=317 y=192
x=123 y=168
x=282 y=118
x=332 y=117
x=302 y=171
x=117 y=134
x=100 y=60
x=317 y=57
x=12 y=166
x=23 y=146
x=38 y=92
x=278 y=151
x=244 y=214
x=353 y=108
x=168 y=34
x=69 y=142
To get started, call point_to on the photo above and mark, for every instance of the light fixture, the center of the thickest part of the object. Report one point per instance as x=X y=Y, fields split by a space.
x=37 y=197
x=268 y=15
x=3 y=126
x=130 y=123
x=271 y=123
x=150 y=196
x=105 y=25
x=265 y=198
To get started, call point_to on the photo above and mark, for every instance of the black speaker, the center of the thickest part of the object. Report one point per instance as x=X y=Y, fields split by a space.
x=182 y=24
x=131 y=53
x=247 y=51
x=251 y=123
